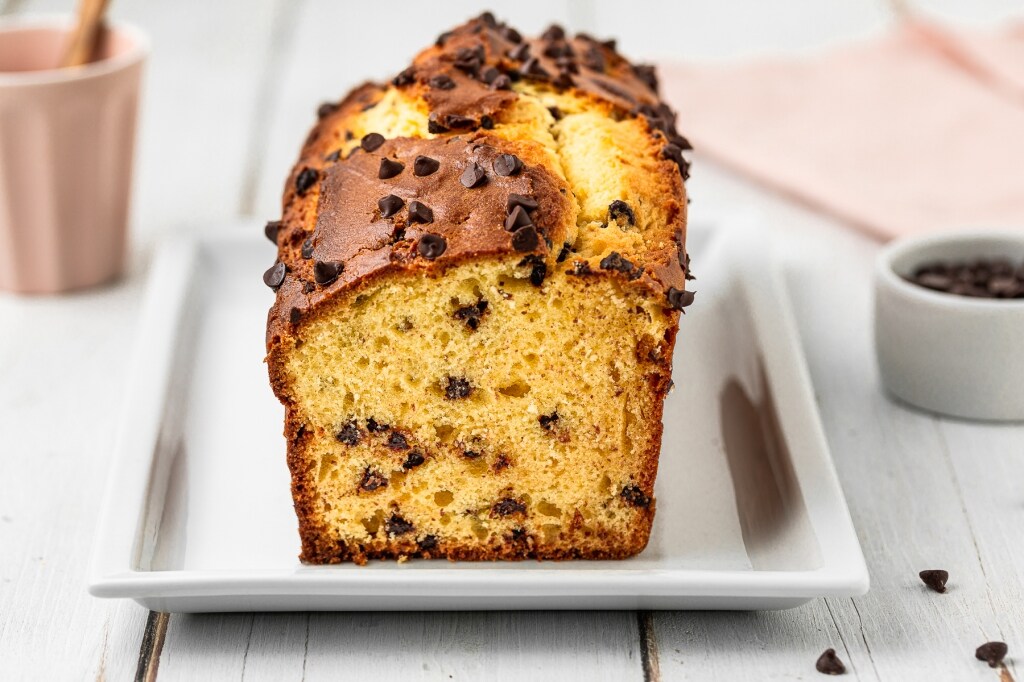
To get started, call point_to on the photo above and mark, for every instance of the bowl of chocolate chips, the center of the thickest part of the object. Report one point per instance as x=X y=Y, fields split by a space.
x=949 y=323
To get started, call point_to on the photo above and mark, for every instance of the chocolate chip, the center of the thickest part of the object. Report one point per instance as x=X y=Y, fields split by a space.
x=389 y=169
x=486 y=122
x=528 y=203
x=611 y=44
x=306 y=178
x=681 y=142
x=427 y=543
x=502 y=82
x=308 y=287
x=533 y=67
x=489 y=74
x=372 y=480
x=615 y=261
x=349 y=434
x=326 y=109
x=413 y=460
x=443 y=38
x=424 y=165
x=679 y=299
x=553 y=32
x=521 y=53
x=419 y=213
x=634 y=496
x=564 y=81
x=470 y=454
x=325 y=272
x=684 y=261
x=673 y=153
x=556 y=113
x=517 y=218
x=406 y=77
x=507 y=507
x=441 y=82
x=548 y=421
x=538 y=272
x=389 y=205
x=980 y=278
x=992 y=653
x=558 y=49
x=295 y=315
x=620 y=209
x=501 y=463
x=396 y=525
x=274 y=276
x=432 y=246
x=333 y=156
x=472 y=314
x=469 y=59
x=272 y=229
x=646 y=73
x=306 y=251
x=371 y=142
x=507 y=164
x=456 y=388
x=373 y=426
x=563 y=254
x=473 y=176
x=525 y=239
x=398 y=441
x=829 y=664
x=510 y=34
x=935 y=579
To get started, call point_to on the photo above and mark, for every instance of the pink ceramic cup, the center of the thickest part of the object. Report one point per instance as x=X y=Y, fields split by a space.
x=66 y=147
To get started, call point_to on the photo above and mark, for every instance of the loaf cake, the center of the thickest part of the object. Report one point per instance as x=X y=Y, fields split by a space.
x=479 y=278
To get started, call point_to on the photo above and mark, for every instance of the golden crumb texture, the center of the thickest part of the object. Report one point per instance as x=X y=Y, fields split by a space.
x=481 y=268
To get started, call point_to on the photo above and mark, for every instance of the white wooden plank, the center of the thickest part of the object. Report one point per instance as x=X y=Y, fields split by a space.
x=200 y=646
x=513 y=646
x=403 y=646
x=776 y=645
x=58 y=402
x=988 y=461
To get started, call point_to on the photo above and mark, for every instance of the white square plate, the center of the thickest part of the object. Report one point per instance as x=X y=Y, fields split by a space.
x=198 y=511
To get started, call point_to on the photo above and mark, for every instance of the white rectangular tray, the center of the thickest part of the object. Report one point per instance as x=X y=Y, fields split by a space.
x=198 y=511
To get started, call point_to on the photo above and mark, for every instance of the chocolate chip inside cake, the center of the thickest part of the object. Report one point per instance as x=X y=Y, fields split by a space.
x=480 y=274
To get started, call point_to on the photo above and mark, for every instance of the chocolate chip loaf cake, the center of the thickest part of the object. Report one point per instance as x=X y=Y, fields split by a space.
x=480 y=272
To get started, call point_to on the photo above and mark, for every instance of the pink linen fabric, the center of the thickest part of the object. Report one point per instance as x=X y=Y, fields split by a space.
x=919 y=130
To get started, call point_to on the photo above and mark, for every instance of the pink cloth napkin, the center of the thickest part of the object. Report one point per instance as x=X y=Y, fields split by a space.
x=919 y=130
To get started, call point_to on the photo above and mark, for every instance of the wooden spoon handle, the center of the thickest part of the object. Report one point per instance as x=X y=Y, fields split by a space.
x=81 y=48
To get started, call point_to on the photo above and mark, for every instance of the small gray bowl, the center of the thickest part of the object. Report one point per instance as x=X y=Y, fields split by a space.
x=950 y=354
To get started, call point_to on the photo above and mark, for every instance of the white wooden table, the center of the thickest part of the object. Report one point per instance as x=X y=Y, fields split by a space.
x=231 y=89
